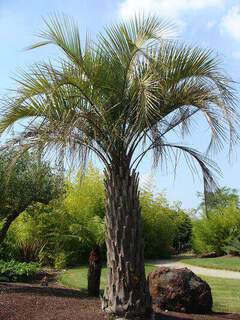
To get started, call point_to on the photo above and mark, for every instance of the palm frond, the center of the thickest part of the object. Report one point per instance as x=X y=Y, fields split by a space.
x=127 y=89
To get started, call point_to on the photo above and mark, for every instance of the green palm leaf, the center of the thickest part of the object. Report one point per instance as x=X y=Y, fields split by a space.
x=128 y=88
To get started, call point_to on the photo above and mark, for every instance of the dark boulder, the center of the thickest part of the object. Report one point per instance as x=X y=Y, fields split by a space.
x=179 y=290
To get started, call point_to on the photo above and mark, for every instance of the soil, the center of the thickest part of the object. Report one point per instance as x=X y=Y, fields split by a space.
x=20 y=301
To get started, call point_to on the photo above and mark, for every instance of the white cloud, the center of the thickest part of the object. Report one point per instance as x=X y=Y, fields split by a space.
x=231 y=22
x=167 y=8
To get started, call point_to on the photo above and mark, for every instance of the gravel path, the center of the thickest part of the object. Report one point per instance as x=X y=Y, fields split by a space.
x=199 y=270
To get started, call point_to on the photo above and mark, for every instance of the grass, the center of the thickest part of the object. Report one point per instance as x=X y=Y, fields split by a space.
x=222 y=263
x=77 y=277
x=226 y=292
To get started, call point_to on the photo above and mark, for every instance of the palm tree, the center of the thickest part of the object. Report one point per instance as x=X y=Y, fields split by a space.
x=118 y=97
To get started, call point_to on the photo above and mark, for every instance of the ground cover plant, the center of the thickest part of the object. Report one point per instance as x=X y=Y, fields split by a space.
x=17 y=271
x=119 y=96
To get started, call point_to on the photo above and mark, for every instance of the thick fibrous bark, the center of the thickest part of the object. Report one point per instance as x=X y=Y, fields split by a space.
x=94 y=272
x=7 y=223
x=127 y=292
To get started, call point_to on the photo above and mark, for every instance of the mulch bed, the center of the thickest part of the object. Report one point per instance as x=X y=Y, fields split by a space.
x=32 y=302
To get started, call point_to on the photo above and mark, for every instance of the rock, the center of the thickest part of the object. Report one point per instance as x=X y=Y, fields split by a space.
x=4 y=279
x=179 y=290
x=210 y=255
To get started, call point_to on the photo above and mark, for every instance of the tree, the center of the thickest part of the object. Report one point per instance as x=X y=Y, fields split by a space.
x=158 y=228
x=213 y=233
x=118 y=96
x=67 y=228
x=30 y=180
x=221 y=198
x=183 y=232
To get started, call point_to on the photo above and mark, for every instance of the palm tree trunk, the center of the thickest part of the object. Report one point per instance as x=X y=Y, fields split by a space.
x=94 y=272
x=126 y=293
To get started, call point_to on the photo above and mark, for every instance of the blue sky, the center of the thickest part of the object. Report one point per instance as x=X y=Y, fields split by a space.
x=207 y=23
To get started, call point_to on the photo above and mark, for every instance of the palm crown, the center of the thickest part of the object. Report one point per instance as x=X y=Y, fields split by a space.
x=129 y=87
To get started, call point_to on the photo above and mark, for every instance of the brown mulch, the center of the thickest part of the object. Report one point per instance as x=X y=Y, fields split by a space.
x=33 y=302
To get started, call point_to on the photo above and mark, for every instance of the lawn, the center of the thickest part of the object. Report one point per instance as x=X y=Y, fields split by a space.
x=77 y=277
x=226 y=292
x=225 y=263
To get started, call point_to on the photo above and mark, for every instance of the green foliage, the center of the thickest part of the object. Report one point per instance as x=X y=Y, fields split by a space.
x=46 y=224
x=221 y=198
x=63 y=232
x=9 y=248
x=85 y=204
x=25 y=180
x=183 y=230
x=29 y=250
x=165 y=229
x=60 y=260
x=232 y=245
x=157 y=225
x=120 y=96
x=121 y=91
x=18 y=271
x=211 y=233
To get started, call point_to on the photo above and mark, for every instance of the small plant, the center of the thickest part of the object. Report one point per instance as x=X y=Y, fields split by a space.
x=60 y=261
x=233 y=246
x=29 y=250
x=18 y=271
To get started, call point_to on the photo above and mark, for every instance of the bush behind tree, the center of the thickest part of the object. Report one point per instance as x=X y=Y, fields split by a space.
x=63 y=232
x=212 y=233
x=23 y=181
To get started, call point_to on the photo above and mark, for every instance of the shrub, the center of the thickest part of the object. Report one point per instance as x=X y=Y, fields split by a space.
x=183 y=230
x=24 y=180
x=18 y=271
x=158 y=227
x=60 y=261
x=232 y=246
x=211 y=233
x=64 y=232
x=29 y=250
x=9 y=249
